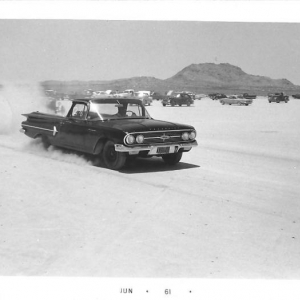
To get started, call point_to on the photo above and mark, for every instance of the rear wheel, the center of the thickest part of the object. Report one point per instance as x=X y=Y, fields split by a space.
x=173 y=158
x=45 y=142
x=112 y=159
x=188 y=103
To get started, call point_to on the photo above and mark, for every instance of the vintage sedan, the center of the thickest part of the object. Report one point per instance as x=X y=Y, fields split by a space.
x=180 y=99
x=236 y=100
x=114 y=129
x=216 y=96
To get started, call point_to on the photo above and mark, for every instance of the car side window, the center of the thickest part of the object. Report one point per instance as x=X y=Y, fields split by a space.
x=79 y=111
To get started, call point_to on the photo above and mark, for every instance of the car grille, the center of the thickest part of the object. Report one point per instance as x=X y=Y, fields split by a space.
x=161 y=137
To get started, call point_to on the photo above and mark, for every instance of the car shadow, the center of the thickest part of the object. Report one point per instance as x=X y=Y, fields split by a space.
x=138 y=165
x=153 y=164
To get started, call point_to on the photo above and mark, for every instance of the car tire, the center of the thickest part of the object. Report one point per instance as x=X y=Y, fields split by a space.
x=112 y=159
x=45 y=142
x=172 y=103
x=164 y=104
x=172 y=159
x=189 y=103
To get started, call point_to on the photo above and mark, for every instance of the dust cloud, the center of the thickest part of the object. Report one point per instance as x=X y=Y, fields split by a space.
x=20 y=98
x=17 y=99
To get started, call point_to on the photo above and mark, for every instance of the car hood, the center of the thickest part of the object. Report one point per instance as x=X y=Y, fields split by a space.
x=137 y=125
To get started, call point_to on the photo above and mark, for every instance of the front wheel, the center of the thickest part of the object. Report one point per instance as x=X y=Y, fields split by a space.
x=173 y=158
x=112 y=159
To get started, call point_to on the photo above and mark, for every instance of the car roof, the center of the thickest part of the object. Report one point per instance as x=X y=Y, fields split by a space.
x=104 y=99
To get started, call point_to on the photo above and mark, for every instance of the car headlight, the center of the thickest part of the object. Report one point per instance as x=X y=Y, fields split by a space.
x=139 y=139
x=192 y=135
x=130 y=139
x=185 y=136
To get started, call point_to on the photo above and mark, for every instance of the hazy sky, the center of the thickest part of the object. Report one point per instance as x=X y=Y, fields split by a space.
x=104 y=50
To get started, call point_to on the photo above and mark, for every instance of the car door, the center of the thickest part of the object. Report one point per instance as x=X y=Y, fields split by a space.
x=74 y=129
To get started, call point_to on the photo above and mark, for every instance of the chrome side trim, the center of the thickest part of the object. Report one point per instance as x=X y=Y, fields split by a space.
x=153 y=149
x=54 y=128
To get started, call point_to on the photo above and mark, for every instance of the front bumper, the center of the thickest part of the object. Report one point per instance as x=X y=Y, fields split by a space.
x=153 y=148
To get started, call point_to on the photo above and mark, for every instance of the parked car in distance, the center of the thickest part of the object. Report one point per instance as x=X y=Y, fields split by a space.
x=278 y=97
x=180 y=99
x=166 y=101
x=216 y=96
x=158 y=96
x=192 y=95
x=233 y=99
x=112 y=129
x=296 y=96
x=144 y=97
x=249 y=96
x=200 y=96
x=129 y=92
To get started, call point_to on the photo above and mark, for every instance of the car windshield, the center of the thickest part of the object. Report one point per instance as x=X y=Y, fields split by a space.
x=113 y=109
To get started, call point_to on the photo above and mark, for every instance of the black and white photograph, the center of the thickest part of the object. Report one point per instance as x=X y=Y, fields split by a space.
x=147 y=154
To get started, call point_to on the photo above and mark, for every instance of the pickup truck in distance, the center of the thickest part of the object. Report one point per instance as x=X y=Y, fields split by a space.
x=278 y=97
x=113 y=129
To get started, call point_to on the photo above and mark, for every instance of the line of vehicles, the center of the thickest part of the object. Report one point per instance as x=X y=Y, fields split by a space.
x=170 y=98
x=247 y=99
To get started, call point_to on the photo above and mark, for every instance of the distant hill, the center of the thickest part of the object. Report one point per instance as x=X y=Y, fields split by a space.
x=199 y=78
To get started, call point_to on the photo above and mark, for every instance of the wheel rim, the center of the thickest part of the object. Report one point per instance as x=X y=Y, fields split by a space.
x=111 y=154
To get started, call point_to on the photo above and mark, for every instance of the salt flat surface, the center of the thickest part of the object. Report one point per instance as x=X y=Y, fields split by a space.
x=229 y=209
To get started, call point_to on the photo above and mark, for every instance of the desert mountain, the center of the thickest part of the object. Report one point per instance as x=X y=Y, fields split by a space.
x=199 y=78
x=214 y=75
